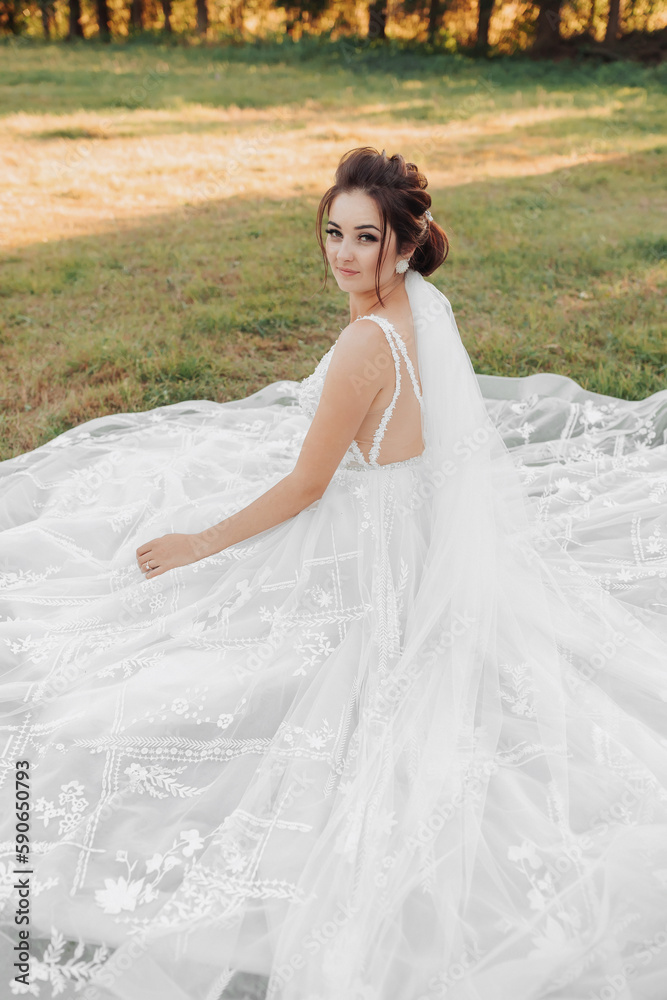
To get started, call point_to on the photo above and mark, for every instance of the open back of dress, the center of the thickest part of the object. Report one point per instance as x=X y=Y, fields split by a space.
x=406 y=406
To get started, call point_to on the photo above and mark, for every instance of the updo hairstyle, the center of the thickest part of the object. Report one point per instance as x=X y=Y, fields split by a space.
x=399 y=191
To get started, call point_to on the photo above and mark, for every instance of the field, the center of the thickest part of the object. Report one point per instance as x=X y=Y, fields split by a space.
x=158 y=203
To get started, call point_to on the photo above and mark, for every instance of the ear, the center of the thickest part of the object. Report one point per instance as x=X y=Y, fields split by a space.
x=407 y=250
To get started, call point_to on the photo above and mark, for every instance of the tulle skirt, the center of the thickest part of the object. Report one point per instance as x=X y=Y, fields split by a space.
x=214 y=787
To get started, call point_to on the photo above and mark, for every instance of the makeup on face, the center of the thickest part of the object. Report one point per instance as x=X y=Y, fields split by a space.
x=366 y=236
x=353 y=238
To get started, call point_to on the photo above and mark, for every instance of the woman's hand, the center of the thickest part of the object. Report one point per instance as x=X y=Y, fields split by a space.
x=167 y=552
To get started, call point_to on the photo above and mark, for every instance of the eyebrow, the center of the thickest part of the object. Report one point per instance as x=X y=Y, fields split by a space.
x=369 y=226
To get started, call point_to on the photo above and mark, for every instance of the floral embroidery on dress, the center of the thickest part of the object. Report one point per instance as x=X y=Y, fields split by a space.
x=313 y=647
x=20 y=577
x=519 y=695
x=542 y=894
x=297 y=741
x=71 y=803
x=62 y=963
x=159 y=782
x=129 y=891
x=132 y=665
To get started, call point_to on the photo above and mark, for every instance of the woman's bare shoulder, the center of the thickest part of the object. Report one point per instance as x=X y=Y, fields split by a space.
x=362 y=346
x=362 y=335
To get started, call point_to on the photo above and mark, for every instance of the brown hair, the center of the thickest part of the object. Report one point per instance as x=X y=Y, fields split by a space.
x=399 y=191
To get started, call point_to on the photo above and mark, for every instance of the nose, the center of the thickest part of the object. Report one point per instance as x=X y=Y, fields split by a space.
x=345 y=252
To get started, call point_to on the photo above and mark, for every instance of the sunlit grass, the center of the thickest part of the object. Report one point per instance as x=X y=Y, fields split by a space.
x=164 y=250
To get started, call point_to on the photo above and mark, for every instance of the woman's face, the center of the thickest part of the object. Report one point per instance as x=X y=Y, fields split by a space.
x=353 y=243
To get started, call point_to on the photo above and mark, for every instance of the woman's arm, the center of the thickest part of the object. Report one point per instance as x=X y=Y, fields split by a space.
x=353 y=379
x=355 y=375
x=285 y=499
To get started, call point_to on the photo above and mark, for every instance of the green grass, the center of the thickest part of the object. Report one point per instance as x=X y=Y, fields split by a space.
x=560 y=270
x=344 y=76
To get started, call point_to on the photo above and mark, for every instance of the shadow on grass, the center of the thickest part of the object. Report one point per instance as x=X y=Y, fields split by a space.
x=68 y=133
x=546 y=273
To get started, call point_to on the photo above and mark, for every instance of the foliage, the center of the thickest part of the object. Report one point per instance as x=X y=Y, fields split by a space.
x=441 y=24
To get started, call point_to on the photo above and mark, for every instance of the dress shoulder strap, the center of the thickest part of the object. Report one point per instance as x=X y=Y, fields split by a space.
x=391 y=334
x=393 y=339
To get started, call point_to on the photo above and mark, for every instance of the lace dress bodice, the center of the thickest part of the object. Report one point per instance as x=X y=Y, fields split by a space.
x=310 y=390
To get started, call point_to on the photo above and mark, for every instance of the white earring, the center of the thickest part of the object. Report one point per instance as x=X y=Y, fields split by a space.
x=402 y=266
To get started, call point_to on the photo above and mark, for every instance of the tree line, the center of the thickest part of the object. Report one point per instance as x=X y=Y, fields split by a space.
x=541 y=25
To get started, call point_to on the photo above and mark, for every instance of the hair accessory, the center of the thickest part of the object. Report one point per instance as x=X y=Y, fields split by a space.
x=427 y=215
x=402 y=266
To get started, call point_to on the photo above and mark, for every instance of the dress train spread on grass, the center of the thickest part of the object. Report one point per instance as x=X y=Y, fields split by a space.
x=408 y=744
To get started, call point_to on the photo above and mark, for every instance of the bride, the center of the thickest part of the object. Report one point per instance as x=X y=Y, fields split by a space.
x=357 y=685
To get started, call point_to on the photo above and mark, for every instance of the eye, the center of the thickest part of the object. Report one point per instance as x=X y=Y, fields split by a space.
x=365 y=237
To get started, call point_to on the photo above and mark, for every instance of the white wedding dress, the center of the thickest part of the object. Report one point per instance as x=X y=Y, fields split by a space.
x=408 y=744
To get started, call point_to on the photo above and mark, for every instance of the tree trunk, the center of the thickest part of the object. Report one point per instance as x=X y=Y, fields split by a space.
x=166 y=7
x=75 y=29
x=483 y=21
x=547 y=37
x=377 y=19
x=10 y=17
x=137 y=15
x=103 y=20
x=202 y=17
x=434 y=14
x=590 y=27
x=46 y=11
x=612 y=22
x=236 y=15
